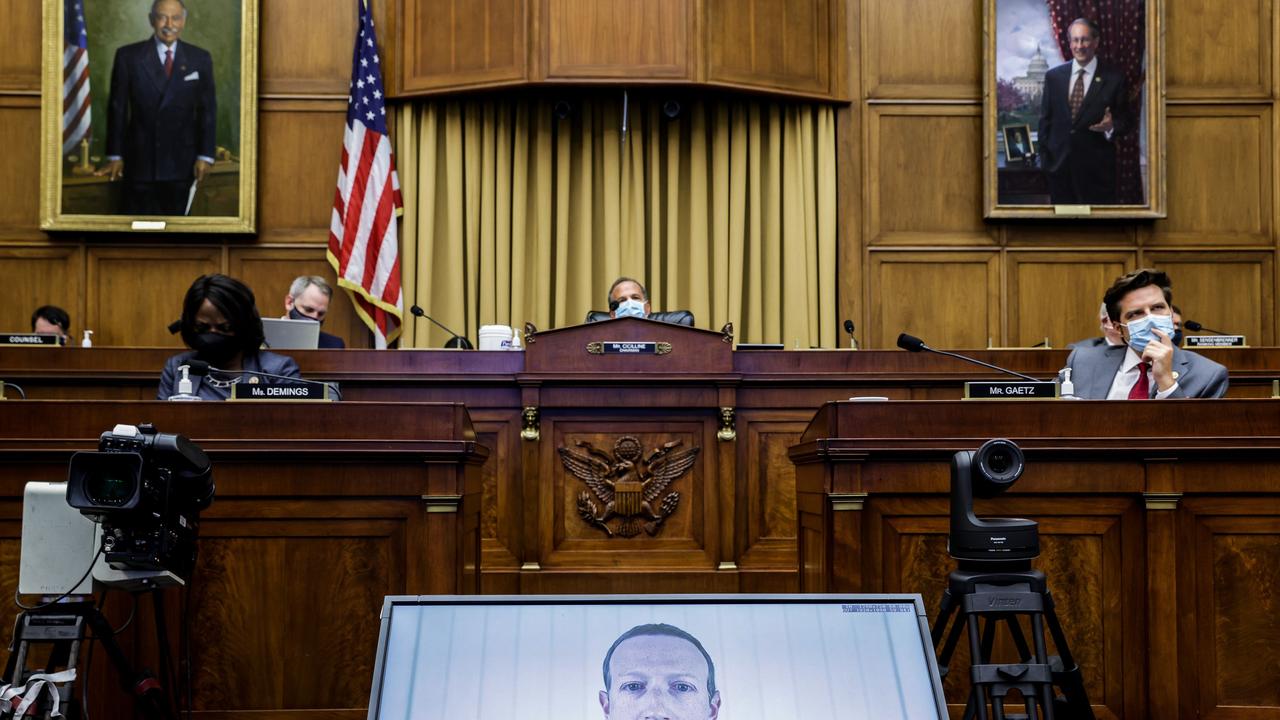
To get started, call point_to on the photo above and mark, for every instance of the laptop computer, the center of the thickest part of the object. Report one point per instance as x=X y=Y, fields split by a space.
x=291 y=334
x=749 y=656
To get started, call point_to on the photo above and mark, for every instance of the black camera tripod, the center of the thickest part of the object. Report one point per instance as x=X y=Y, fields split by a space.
x=995 y=592
x=62 y=626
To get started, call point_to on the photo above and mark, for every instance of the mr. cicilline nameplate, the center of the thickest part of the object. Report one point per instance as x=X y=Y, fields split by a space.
x=1014 y=390
x=281 y=391
x=615 y=347
x=36 y=339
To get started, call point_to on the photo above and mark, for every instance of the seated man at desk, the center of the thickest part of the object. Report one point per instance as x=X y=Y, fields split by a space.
x=1148 y=365
x=52 y=320
x=308 y=299
x=221 y=325
x=628 y=298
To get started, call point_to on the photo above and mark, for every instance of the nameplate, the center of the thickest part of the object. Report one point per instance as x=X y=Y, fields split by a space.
x=1213 y=341
x=280 y=391
x=1073 y=210
x=148 y=225
x=36 y=339
x=1016 y=390
x=613 y=347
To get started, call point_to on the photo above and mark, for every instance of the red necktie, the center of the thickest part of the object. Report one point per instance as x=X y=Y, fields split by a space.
x=1141 y=390
x=168 y=62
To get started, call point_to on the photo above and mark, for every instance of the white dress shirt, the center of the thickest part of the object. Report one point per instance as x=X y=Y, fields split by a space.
x=1127 y=377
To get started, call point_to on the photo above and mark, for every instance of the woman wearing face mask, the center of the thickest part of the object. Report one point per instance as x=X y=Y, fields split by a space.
x=221 y=325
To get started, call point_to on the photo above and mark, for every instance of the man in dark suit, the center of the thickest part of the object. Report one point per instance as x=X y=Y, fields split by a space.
x=1083 y=111
x=1148 y=365
x=161 y=116
x=628 y=298
x=308 y=299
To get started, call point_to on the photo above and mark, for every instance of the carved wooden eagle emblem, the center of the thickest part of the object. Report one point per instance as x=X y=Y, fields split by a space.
x=628 y=483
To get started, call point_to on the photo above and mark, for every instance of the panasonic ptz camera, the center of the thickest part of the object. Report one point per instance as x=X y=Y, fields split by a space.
x=985 y=473
x=147 y=489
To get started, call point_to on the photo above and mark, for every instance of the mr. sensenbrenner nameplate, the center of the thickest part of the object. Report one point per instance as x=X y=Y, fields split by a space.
x=614 y=347
x=289 y=391
x=1015 y=390
x=1212 y=341
x=37 y=339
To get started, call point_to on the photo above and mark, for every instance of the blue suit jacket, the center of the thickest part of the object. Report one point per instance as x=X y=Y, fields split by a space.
x=157 y=124
x=264 y=361
x=1094 y=368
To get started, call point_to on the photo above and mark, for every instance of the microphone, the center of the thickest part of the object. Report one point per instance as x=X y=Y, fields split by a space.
x=200 y=367
x=175 y=326
x=1194 y=326
x=848 y=327
x=915 y=344
x=457 y=341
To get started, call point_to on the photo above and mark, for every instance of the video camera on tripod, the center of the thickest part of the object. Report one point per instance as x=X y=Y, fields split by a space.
x=995 y=586
x=146 y=488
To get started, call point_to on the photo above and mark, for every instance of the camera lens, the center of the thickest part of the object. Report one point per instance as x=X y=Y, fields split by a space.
x=999 y=461
x=109 y=487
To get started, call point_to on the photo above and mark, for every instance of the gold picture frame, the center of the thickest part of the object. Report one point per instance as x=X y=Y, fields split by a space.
x=215 y=60
x=1024 y=53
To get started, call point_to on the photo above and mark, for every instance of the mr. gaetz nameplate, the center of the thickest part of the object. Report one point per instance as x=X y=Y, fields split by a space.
x=1015 y=390
x=612 y=347
x=282 y=391
x=1212 y=341
x=38 y=339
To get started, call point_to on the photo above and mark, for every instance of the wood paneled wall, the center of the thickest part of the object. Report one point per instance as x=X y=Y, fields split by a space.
x=128 y=288
x=917 y=255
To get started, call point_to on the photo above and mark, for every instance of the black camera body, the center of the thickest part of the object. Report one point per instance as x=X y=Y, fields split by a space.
x=985 y=473
x=147 y=489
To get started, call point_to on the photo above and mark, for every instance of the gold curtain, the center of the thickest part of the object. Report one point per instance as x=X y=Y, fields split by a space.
x=514 y=214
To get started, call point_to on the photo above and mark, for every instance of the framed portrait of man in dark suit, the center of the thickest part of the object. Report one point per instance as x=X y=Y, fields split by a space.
x=149 y=115
x=1084 y=79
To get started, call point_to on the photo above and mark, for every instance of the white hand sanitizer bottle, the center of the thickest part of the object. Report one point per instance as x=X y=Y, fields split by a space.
x=87 y=342
x=1068 y=390
x=184 y=386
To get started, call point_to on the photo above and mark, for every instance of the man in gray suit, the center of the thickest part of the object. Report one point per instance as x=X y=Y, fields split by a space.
x=1147 y=366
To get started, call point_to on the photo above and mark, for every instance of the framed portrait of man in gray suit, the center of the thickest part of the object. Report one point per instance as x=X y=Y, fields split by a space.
x=149 y=115
x=1086 y=81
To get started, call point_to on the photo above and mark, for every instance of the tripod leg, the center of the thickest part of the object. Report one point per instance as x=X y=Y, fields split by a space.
x=945 y=608
x=977 y=657
x=1071 y=680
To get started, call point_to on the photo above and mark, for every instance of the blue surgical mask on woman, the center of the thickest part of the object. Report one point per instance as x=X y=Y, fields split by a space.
x=1140 y=330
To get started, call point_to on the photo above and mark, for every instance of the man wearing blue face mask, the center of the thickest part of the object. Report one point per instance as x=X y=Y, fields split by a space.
x=628 y=298
x=1148 y=365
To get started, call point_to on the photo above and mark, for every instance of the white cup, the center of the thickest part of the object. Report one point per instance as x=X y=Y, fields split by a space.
x=495 y=337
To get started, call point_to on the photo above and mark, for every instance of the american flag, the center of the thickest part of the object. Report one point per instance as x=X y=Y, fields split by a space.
x=76 y=110
x=363 y=245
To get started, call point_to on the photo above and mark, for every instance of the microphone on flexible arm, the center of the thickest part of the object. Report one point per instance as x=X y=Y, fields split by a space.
x=848 y=327
x=1194 y=326
x=457 y=341
x=200 y=367
x=915 y=344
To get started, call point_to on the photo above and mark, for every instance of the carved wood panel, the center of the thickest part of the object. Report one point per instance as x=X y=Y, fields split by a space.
x=462 y=43
x=617 y=38
x=923 y=49
x=1056 y=294
x=35 y=276
x=920 y=182
x=300 y=145
x=1231 y=288
x=1232 y=557
x=688 y=538
x=767 y=531
x=1232 y=69
x=771 y=44
x=970 y=282
x=119 y=276
x=1086 y=552
x=20 y=62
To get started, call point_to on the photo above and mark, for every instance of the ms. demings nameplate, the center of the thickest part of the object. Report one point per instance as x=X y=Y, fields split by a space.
x=1015 y=390
x=282 y=391
x=611 y=347
x=37 y=339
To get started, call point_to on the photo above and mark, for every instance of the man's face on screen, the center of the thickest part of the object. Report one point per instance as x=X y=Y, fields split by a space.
x=658 y=677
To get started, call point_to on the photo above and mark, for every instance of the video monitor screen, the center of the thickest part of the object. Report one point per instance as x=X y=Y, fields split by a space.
x=737 y=657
